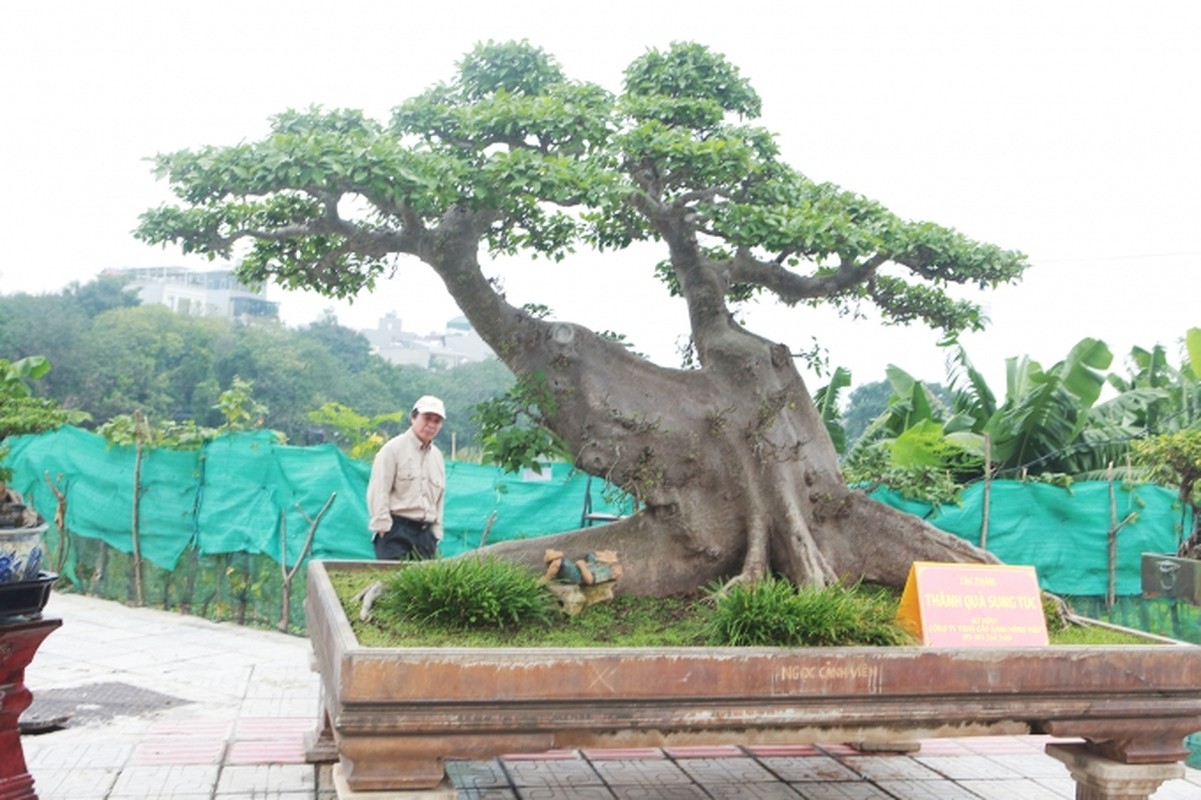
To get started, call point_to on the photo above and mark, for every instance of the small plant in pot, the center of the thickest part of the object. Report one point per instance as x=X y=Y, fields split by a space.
x=21 y=526
x=21 y=529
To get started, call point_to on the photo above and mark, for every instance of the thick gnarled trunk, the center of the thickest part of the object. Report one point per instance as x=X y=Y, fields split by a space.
x=734 y=471
x=735 y=475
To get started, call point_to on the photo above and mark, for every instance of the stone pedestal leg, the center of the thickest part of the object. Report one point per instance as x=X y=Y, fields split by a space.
x=1100 y=778
x=319 y=744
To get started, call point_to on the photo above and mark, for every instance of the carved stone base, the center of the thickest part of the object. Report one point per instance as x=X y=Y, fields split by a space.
x=1101 y=778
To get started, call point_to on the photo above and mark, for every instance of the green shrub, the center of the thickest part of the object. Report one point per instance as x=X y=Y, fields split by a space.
x=465 y=594
x=775 y=613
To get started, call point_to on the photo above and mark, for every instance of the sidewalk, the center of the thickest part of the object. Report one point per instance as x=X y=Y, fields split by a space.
x=167 y=705
x=137 y=703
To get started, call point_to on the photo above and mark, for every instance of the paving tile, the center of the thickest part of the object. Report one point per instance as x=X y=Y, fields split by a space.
x=622 y=753
x=273 y=728
x=208 y=728
x=706 y=771
x=476 y=774
x=275 y=707
x=641 y=772
x=1009 y=789
x=564 y=793
x=1176 y=790
x=178 y=750
x=761 y=750
x=703 y=751
x=751 y=791
x=548 y=755
x=488 y=793
x=889 y=768
x=1064 y=787
x=926 y=790
x=262 y=778
x=968 y=767
x=816 y=769
x=74 y=783
x=841 y=791
x=995 y=745
x=1031 y=766
x=551 y=773
x=283 y=751
x=166 y=781
x=74 y=754
x=685 y=791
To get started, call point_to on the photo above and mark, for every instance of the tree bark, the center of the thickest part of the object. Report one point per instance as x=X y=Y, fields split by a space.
x=735 y=475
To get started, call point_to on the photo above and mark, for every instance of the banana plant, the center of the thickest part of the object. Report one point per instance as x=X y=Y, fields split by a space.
x=826 y=398
x=1045 y=411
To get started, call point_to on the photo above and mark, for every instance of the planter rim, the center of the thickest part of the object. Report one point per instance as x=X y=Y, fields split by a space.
x=10 y=531
x=350 y=643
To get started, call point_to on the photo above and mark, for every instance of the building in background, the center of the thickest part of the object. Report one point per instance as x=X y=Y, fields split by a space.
x=199 y=293
x=458 y=344
x=218 y=293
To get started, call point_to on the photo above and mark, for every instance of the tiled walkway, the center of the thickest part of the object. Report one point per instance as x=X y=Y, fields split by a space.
x=137 y=703
x=162 y=705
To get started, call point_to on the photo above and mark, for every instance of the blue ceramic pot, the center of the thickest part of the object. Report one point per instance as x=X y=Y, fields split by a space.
x=21 y=552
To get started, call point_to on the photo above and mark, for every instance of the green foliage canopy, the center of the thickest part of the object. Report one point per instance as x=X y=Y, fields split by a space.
x=543 y=164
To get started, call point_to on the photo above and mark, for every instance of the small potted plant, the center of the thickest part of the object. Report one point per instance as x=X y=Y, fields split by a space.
x=21 y=526
x=21 y=529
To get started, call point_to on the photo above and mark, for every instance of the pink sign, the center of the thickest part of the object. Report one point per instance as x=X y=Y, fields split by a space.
x=973 y=605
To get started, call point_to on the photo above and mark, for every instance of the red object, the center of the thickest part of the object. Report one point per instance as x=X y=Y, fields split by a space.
x=19 y=640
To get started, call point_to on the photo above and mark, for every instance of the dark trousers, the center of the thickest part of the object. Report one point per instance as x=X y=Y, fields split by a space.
x=407 y=539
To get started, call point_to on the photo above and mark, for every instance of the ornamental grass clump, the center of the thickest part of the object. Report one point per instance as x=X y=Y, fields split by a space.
x=773 y=612
x=466 y=594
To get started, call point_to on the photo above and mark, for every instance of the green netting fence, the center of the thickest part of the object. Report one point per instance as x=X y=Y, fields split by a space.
x=220 y=530
x=224 y=531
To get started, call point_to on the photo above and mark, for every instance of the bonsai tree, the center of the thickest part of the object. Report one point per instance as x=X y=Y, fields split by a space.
x=20 y=413
x=729 y=459
x=1174 y=459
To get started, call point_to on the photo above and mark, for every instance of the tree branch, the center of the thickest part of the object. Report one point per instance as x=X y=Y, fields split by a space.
x=791 y=286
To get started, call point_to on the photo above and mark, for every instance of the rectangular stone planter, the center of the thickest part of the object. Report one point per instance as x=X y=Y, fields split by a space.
x=392 y=715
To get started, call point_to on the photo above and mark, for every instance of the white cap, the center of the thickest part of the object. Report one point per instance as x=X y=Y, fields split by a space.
x=429 y=405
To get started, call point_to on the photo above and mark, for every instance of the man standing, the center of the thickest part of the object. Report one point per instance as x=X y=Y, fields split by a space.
x=406 y=493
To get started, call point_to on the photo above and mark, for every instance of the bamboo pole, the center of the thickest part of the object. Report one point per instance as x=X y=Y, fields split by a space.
x=135 y=538
x=1112 y=540
x=1112 y=543
x=984 y=506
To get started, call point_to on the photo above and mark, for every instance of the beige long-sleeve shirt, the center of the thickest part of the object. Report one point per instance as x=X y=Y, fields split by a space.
x=408 y=479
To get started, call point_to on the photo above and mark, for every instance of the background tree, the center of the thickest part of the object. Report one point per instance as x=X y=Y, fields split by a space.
x=151 y=359
x=114 y=357
x=53 y=326
x=1174 y=459
x=865 y=403
x=349 y=347
x=731 y=462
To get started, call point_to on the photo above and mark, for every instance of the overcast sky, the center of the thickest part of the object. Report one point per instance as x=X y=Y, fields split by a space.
x=1067 y=130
